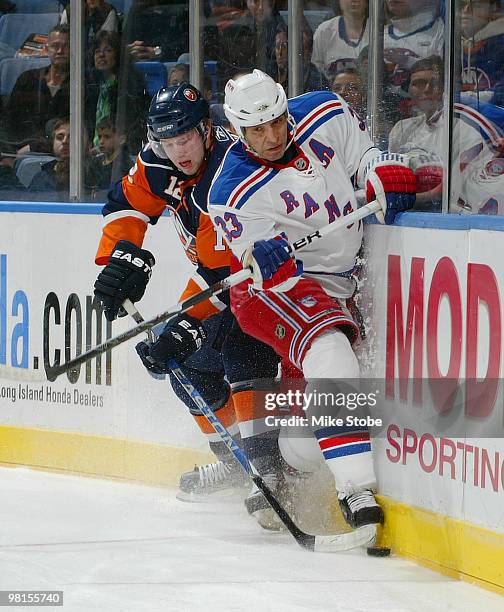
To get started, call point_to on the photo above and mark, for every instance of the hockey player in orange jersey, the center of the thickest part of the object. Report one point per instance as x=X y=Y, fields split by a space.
x=174 y=171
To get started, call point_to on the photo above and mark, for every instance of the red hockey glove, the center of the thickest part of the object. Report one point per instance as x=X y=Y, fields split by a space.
x=390 y=181
x=428 y=169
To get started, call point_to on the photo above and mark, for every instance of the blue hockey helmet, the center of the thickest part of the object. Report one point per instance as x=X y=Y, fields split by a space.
x=173 y=111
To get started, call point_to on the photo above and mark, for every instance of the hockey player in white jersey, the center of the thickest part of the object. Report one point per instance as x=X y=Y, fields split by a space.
x=294 y=170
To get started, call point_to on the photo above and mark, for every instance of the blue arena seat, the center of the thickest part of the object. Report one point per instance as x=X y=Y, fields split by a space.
x=12 y=67
x=28 y=167
x=154 y=74
x=15 y=29
x=38 y=6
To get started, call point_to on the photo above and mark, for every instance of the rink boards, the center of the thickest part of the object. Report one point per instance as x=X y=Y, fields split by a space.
x=432 y=302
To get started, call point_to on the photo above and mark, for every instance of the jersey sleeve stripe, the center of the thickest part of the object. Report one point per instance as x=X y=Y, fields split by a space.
x=308 y=131
x=486 y=128
x=121 y=214
x=243 y=186
x=254 y=186
x=130 y=229
x=202 y=284
x=316 y=113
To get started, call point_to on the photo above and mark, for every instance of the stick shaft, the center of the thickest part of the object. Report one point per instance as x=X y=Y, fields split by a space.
x=145 y=326
x=215 y=289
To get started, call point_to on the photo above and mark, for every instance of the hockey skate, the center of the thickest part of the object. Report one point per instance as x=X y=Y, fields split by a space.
x=210 y=481
x=258 y=507
x=360 y=508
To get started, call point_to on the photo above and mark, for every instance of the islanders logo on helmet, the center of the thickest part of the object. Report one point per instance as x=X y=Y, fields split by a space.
x=190 y=95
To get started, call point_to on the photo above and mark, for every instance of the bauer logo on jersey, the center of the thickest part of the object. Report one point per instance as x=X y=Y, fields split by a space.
x=190 y=95
x=308 y=301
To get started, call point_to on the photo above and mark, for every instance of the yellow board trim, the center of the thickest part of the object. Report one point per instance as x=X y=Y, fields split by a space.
x=451 y=546
x=93 y=455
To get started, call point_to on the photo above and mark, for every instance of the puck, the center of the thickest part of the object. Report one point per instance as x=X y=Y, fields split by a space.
x=378 y=551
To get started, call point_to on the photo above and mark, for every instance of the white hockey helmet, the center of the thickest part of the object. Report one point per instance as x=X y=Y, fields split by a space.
x=253 y=99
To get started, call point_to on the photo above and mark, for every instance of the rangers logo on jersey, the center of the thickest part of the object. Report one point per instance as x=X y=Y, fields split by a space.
x=495 y=167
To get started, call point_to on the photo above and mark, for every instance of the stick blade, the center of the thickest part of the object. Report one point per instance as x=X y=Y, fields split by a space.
x=346 y=541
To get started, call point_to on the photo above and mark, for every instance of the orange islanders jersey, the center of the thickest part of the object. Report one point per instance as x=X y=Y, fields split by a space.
x=153 y=185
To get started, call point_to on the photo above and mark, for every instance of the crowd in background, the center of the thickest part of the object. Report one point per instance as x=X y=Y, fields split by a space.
x=135 y=46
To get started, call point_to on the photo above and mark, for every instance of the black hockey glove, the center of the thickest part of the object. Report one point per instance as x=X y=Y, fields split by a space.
x=125 y=276
x=181 y=337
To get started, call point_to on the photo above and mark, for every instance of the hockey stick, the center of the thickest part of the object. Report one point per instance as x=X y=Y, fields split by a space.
x=318 y=543
x=53 y=372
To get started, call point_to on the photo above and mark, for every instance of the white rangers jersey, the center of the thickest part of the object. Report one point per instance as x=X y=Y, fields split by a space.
x=483 y=185
x=254 y=200
x=472 y=134
x=333 y=50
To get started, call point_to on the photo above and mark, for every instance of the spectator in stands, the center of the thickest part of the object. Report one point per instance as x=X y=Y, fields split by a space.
x=102 y=90
x=249 y=42
x=42 y=93
x=158 y=30
x=313 y=80
x=415 y=31
x=55 y=175
x=421 y=136
x=338 y=42
x=483 y=47
x=349 y=84
x=425 y=90
x=154 y=30
x=178 y=74
x=98 y=16
x=111 y=161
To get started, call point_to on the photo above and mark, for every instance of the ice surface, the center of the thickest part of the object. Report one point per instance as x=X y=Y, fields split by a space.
x=120 y=547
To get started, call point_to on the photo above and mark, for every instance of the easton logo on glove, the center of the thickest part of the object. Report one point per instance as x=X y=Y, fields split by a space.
x=135 y=260
x=181 y=338
x=125 y=276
